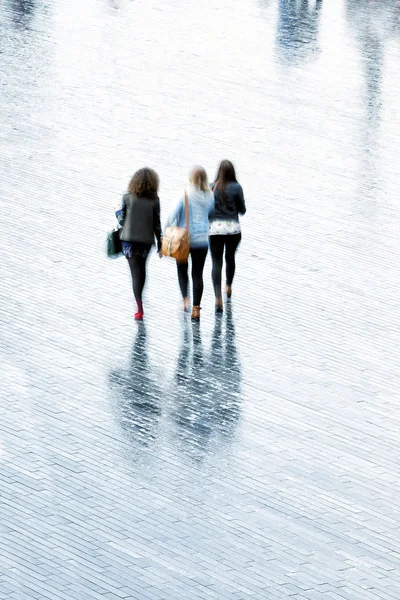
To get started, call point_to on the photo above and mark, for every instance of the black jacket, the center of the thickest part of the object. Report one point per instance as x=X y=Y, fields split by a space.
x=234 y=203
x=140 y=219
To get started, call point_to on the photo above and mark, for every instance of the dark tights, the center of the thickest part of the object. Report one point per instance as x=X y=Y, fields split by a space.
x=137 y=265
x=198 y=256
x=219 y=243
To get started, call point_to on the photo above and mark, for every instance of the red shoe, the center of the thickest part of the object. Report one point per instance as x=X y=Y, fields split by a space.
x=140 y=312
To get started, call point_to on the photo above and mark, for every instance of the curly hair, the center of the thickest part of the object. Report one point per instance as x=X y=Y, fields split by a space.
x=144 y=183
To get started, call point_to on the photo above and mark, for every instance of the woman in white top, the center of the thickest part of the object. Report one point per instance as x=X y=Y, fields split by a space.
x=225 y=232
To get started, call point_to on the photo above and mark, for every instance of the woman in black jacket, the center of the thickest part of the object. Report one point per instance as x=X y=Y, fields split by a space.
x=139 y=219
x=225 y=233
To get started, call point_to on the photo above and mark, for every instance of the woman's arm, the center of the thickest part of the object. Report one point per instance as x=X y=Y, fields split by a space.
x=240 y=203
x=211 y=205
x=157 y=223
x=176 y=215
x=121 y=213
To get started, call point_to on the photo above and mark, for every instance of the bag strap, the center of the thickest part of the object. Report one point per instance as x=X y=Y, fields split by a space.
x=187 y=211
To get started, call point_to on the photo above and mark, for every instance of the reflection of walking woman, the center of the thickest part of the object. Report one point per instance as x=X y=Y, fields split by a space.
x=206 y=395
x=201 y=203
x=137 y=394
x=139 y=218
x=225 y=233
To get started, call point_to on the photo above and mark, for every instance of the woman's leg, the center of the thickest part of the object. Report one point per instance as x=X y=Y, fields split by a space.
x=183 y=278
x=232 y=242
x=217 y=243
x=137 y=265
x=199 y=256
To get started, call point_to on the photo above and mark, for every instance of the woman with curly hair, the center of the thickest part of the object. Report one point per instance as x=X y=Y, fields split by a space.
x=139 y=220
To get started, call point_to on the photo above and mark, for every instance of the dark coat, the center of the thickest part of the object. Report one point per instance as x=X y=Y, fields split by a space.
x=140 y=219
x=234 y=203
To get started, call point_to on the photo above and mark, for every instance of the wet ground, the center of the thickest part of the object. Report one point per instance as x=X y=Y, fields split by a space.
x=256 y=456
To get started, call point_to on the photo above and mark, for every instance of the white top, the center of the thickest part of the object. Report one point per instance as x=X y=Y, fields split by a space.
x=224 y=227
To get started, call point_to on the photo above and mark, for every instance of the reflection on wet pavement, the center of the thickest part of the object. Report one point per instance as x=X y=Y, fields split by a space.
x=139 y=395
x=206 y=397
x=200 y=406
x=297 y=31
x=255 y=455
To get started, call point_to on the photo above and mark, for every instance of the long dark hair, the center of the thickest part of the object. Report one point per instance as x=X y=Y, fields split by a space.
x=225 y=174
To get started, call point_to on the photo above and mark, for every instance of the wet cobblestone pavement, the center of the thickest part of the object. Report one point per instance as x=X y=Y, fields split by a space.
x=256 y=456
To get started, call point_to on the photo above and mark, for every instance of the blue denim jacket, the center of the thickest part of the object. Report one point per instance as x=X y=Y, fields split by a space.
x=201 y=204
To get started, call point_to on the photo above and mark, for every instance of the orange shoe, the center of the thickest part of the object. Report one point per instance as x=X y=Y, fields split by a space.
x=196 y=313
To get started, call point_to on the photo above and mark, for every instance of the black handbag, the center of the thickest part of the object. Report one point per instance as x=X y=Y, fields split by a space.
x=113 y=245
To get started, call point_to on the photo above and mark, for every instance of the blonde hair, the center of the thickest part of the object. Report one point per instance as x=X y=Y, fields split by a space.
x=198 y=177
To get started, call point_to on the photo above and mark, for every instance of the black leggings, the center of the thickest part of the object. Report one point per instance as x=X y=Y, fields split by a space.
x=217 y=245
x=137 y=265
x=198 y=256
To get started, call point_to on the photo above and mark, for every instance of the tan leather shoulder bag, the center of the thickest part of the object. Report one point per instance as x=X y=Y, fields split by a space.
x=176 y=240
